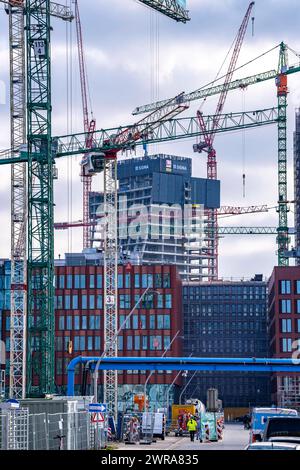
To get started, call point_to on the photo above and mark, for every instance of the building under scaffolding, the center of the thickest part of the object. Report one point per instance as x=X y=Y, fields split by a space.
x=161 y=213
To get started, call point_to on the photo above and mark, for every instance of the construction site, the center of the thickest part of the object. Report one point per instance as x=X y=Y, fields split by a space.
x=151 y=236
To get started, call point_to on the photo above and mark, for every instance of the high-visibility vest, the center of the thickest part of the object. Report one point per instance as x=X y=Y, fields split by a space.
x=192 y=425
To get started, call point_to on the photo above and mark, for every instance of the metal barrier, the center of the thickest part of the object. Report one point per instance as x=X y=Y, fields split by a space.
x=60 y=431
x=14 y=429
x=147 y=428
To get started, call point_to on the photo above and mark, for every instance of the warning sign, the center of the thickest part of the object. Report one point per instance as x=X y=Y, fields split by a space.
x=97 y=418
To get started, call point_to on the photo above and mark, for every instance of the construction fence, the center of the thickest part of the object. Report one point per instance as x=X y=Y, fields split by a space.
x=20 y=430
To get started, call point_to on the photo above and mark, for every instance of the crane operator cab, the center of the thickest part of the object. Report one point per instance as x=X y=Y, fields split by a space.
x=92 y=163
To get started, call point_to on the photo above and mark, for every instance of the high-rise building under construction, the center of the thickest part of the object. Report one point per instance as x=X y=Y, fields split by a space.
x=164 y=207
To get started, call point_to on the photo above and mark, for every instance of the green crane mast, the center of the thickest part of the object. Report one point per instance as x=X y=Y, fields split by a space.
x=282 y=91
x=40 y=272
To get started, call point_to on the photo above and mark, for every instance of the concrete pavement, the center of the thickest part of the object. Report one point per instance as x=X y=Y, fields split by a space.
x=235 y=438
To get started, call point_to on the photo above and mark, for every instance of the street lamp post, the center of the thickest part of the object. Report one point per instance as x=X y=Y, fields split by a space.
x=114 y=340
x=186 y=386
x=152 y=372
x=169 y=388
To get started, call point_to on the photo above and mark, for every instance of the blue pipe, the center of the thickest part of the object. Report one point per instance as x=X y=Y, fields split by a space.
x=243 y=364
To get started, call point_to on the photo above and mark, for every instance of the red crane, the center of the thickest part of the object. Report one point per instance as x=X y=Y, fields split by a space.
x=207 y=146
x=89 y=128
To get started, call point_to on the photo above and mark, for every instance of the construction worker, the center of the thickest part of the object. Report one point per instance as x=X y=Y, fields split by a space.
x=192 y=427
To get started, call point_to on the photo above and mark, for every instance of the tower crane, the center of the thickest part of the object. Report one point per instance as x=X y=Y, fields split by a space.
x=208 y=146
x=89 y=125
x=18 y=317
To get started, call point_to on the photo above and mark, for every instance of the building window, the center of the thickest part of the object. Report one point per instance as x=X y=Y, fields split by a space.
x=155 y=343
x=298 y=306
x=77 y=322
x=75 y=302
x=167 y=281
x=77 y=281
x=61 y=281
x=91 y=322
x=120 y=343
x=124 y=301
x=82 y=281
x=168 y=300
x=120 y=281
x=135 y=322
x=60 y=302
x=167 y=341
x=92 y=302
x=160 y=301
x=137 y=281
x=286 y=326
x=97 y=343
x=76 y=343
x=148 y=301
x=144 y=342
x=127 y=280
x=69 y=322
x=90 y=343
x=61 y=323
x=298 y=326
x=84 y=302
x=152 y=322
x=129 y=343
x=285 y=287
x=142 y=324
x=99 y=302
x=67 y=302
x=286 y=306
x=84 y=322
x=82 y=343
x=137 y=345
x=158 y=281
x=97 y=321
x=69 y=281
x=92 y=281
x=297 y=287
x=286 y=344
x=99 y=281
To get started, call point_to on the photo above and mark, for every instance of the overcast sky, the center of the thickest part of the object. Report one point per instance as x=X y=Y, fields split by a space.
x=121 y=62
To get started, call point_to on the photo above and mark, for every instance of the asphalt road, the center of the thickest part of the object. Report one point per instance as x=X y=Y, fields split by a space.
x=235 y=438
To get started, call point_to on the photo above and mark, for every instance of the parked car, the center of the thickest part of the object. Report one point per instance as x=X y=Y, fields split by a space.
x=283 y=427
x=260 y=417
x=272 y=446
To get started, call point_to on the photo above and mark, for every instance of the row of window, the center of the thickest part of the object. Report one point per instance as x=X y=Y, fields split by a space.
x=285 y=287
x=139 y=322
x=143 y=342
x=289 y=345
x=93 y=343
x=95 y=281
x=92 y=302
x=93 y=322
x=79 y=343
x=79 y=322
x=287 y=326
x=286 y=306
x=223 y=290
x=229 y=308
